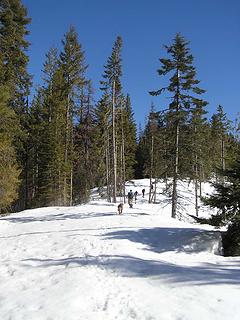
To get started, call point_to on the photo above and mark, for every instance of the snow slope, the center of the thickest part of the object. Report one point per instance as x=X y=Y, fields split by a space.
x=87 y=262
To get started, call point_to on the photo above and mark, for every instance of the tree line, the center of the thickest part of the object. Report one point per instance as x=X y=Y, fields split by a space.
x=63 y=143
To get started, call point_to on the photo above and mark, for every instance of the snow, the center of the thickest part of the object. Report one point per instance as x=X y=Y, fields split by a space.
x=87 y=262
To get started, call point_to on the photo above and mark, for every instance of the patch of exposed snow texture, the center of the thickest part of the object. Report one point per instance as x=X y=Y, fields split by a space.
x=87 y=262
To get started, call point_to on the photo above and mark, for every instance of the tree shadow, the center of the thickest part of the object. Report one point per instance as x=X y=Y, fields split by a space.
x=128 y=266
x=162 y=239
x=57 y=217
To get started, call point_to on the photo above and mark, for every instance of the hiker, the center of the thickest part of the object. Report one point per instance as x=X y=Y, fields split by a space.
x=135 y=196
x=143 y=192
x=130 y=198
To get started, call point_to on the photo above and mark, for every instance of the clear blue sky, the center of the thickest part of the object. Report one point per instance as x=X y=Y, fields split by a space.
x=211 y=26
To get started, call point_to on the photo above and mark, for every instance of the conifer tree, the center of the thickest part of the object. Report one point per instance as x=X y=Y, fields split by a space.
x=102 y=145
x=9 y=171
x=220 y=127
x=183 y=88
x=130 y=137
x=112 y=87
x=85 y=169
x=13 y=47
x=54 y=115
x=226 y=199
x=72 y=64
x=197 y=132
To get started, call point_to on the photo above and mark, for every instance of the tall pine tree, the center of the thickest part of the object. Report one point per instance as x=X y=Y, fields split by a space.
x=183 y=89
x=13 y=47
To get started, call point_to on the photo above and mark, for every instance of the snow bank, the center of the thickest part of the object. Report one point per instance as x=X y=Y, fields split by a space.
x=87 y=262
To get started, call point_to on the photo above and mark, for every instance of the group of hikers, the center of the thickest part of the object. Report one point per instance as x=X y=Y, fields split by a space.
x=132 y=196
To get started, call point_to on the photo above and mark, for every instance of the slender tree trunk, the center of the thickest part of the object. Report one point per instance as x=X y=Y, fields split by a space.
x=59 y=200
x=26 y=181
x=65 y=191
x=166 y=165
x=71 y=187
x=175 y=173
x=151 y=171
x=114 y=146
x=200 y=181
x=196 y=173
x=71 y=169
x=123 y=160
x=222 y=153
x=155 y=190
x=121 y=172
x=124 y=174
x=196 y=186
x=107 y=169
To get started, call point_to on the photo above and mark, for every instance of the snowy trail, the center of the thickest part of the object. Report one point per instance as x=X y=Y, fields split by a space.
x=86 y=262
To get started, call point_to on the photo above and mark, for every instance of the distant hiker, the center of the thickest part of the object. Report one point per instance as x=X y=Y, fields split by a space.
x=135 y=196
x=130 y=198
x=120 y=208
x=143 y=192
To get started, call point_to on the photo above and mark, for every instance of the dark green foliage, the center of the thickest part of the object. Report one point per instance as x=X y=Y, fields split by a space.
x=14 y=74
x=113 y=70
x=231 y=239
x=13 y=30
x=9 y=171
x=227 y=194
x=220 y=147
x=102 y=137
x=129 y=131
x=116 y=128
x=85 y=164
x=227 y=200
x=184 y=90
x=62 y=129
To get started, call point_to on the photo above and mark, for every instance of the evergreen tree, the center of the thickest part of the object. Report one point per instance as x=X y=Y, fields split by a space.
x=73 y=68
x=226 y=199
x=130 y=136
x=85 y=167
x=9 y=171
x=55 y=114
x=220 y=127
x=198 y=153
x=183 y=87
x=112 y=88
x=13 y=46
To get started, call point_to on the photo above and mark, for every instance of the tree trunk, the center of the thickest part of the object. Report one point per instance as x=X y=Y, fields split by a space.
x=175 y=173
x=155 y=190
x=71 y=187
x=107 y=168
x=114 y=146
x=66 y=152
x=196 y=186
x=123 y=160
x=222 y=153
x=151 y=171
x=196 y=171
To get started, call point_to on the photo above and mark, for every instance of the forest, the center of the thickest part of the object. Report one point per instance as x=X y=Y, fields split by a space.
x=60 y=144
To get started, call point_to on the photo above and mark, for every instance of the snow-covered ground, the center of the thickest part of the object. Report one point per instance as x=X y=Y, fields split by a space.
x=87 y=262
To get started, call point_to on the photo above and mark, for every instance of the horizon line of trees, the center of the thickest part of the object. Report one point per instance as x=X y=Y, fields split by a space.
x=55 y=149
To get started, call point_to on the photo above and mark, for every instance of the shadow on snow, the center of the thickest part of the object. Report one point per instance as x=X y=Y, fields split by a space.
x=163 y=239
x=57 y=217
x=128 y=266
x=157 y=240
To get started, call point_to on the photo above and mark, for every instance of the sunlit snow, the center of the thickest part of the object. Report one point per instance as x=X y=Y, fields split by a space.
x=88 y=262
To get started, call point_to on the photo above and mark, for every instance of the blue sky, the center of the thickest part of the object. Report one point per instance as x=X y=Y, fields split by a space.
x=211 y=26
